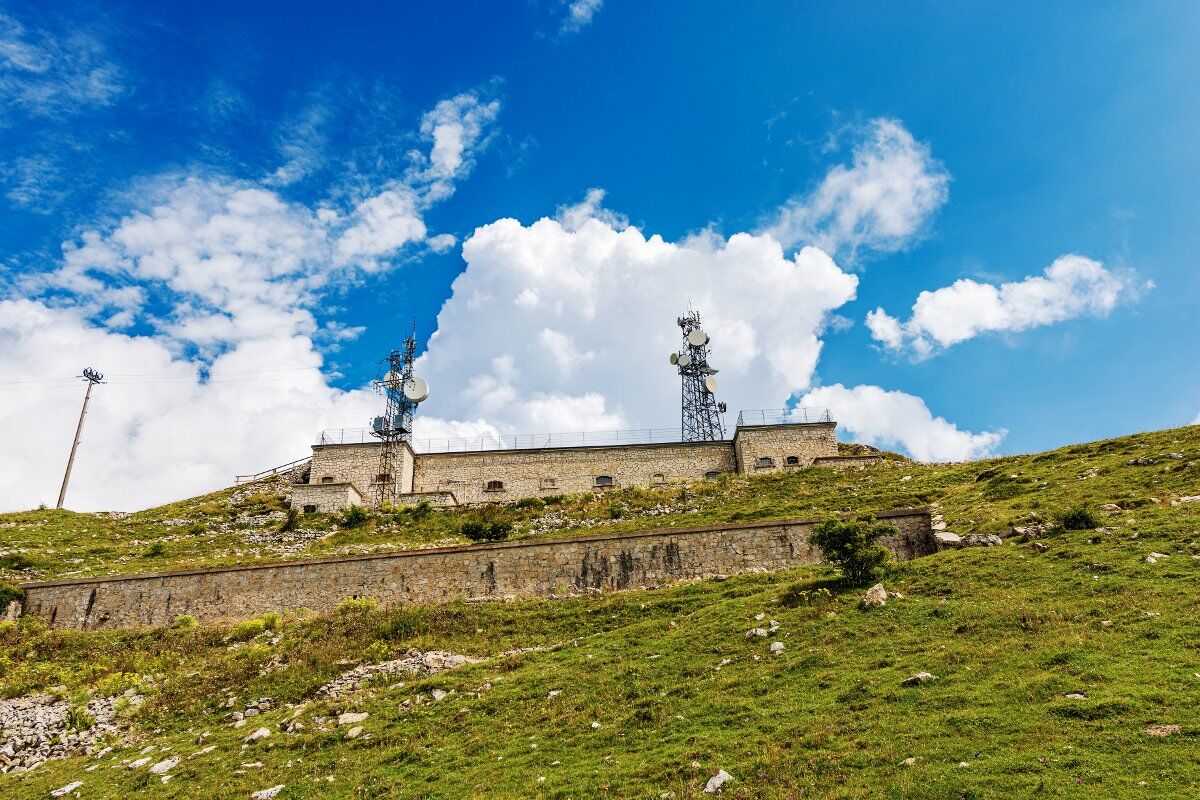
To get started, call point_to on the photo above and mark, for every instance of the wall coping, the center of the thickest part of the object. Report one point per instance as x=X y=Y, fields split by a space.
x=494 y=546
x=587 y=447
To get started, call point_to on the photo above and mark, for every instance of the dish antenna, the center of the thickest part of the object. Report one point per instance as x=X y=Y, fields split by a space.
x=710 y=385
x=674 y=359
x=697 y=338
x=416 y=389
x=684 y=359
x=701 y=411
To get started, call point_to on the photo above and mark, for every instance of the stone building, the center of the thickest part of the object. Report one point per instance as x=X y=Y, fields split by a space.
x=345 y=469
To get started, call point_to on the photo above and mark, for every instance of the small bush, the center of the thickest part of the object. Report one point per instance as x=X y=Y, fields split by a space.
x=796 y=595
x=8 y=593
x=853 y=546
x=357 y=605
x=495 y=531
x=1079 y=518
x=553 y=499
x=535 y=503
x=155 y=550
x=78 y=718
x=243 y=631
x=293 y=519
x=355 y=517
x=184 y=622
x=196 y=529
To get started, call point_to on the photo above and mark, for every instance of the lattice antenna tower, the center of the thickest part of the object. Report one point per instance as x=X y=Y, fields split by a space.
x=702 y=414
x=402 y=392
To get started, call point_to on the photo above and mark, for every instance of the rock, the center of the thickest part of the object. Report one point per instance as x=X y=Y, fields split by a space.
x=414 y=663
x=1162 y=730
x=750 y=634
x=267 y=794
x=946 y=540
x=1075 y=696
x=553 y=693
x=257 y=736
x=776 y=647
x=1109 y=507
x=1195 y=498
x=351 y=717
x=1039 y=547
x=909 y=762
x=919 y=679
x=354 y=732
x=876 y=597
x=163 y=767
x=982 y=540
x=65 y=790
x=717 y=781
x=1154 y=558
x=1176 y=456
x=439 y=695
x=595 y=726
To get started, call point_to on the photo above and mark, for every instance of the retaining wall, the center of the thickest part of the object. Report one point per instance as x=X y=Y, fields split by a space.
x=508 y=569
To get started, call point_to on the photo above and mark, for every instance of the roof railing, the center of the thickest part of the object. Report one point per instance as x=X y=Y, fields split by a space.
x=800 y=415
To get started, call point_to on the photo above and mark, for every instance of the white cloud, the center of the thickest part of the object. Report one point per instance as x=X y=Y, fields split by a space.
x=893 y=419
x=880 y=202
x=580 y=14
x=566 y=324
x=1073 y=286
x=457 y=129
x=384 y=223
x=50 y=74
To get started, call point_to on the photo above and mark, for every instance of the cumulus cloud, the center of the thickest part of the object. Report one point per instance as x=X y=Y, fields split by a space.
x=1073 y=286
x=580 y=14
x=881 y=201
x=893 y=419
x=566 y=324
x=46 y=73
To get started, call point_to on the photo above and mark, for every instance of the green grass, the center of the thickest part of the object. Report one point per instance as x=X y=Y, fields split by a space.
x=1008 y=630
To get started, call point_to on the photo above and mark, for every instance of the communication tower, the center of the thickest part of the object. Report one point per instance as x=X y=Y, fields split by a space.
x=701 y=412
x=402 y=392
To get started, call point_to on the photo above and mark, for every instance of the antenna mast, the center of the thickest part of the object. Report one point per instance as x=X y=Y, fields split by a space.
x=92 y=377
x=701 y=412
x=402 y=392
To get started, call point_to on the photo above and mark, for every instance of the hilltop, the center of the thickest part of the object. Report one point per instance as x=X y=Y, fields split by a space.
x=1066 y=660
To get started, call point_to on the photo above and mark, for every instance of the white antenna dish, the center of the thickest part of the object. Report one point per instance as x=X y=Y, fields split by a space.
x=674 y=358
x=416 y=389
x=710 y=385
x=697 y=338
x=392 y=380
x=683 y=359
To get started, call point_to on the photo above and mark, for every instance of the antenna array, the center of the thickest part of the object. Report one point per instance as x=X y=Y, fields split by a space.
x=402 y=392
x=701 y=412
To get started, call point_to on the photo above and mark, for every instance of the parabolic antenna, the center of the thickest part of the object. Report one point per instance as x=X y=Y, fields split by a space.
x=416 y=389
x=392 y=380
x=674 y=358
x=684 y=359
x=697 y=338
x=710 y=385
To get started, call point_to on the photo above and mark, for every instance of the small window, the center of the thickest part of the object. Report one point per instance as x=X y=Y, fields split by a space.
x=792 y=461
x=658 y=478
x=549 y=483
x=765 y=462
x=712 y=474
x=327 y=479
x=310 y=509
x=494 y=486
x=604 y=481
x=383 y=477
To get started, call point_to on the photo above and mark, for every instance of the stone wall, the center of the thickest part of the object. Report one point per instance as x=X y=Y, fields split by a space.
x=326 y=498
x=358 y=464
x=540 y=472
x=847 y=461
x=768 y=448
x=509 y=569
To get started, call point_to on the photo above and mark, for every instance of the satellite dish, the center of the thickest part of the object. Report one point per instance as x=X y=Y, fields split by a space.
x=697 y=338
x=710 y=385
x=392 y=380
x=674 y=358
x=684 y=359
x=416 y=389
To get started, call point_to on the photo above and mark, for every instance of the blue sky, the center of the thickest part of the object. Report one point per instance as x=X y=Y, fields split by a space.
x=1009 y=135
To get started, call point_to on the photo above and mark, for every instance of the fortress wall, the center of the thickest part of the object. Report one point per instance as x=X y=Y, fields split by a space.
x=509 y=569
x=777 y=442
x=538 y=472
x=358 y=464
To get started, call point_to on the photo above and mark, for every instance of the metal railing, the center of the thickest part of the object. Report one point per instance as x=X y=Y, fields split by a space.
x=239 y=479
x=784 y=416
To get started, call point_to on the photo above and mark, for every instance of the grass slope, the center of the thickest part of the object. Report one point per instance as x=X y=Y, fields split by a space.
x=1008 y=630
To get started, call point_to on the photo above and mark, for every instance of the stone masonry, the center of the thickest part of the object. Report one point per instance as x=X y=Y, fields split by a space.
x=509 y=569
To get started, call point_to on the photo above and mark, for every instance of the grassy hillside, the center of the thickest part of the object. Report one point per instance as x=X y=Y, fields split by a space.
x=649 y=694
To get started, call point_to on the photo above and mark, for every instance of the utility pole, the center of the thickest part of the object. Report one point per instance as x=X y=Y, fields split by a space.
x=92 y=377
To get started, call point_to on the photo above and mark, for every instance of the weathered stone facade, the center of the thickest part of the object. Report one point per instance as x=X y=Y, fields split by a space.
x=510 y=569
x=504 y=475
x=325 y=497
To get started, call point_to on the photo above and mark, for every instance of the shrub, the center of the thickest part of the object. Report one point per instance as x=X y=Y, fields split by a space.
x=853 y=546
x=8 y=593
x=293 y=519
x=357 y=605
x=78 y=718
x=196 y=529
x=155 y=550
x=355 y=517
x=1079 y=518
x=535 y=503
x=183 y=622
x=495 y=531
